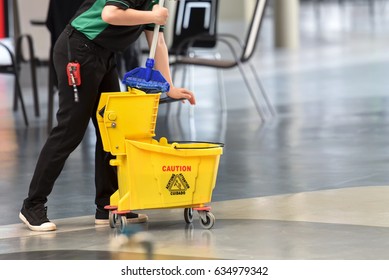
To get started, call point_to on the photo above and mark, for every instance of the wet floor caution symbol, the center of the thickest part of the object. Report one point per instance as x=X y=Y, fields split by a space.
x=177 y=185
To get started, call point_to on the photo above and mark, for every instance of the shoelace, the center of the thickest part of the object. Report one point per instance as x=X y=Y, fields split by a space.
x=41 y=212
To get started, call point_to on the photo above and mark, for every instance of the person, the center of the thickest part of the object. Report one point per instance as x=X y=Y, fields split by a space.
x=129 y=59
x=58 y=16
x=98 y=30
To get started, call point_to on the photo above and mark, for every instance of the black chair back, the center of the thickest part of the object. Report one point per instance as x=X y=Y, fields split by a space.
x=193 y=18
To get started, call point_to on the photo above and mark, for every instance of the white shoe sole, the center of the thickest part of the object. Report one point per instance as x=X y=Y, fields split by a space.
x=49 y=226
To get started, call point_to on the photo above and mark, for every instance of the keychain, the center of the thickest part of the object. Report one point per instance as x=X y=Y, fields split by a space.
x=74 y=73
x=74 y=77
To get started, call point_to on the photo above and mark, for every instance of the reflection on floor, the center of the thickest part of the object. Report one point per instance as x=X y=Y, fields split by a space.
x=310 y=184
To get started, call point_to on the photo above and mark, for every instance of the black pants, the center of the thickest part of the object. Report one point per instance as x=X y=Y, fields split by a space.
x=98 y=74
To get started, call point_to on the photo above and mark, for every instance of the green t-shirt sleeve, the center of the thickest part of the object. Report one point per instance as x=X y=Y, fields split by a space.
x=131 y=4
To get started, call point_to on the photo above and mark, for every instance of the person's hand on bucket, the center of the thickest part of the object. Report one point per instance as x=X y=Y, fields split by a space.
x=180 y=93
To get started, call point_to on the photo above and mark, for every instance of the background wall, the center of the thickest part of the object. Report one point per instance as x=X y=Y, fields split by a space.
x=236 y=9
x=33 y=10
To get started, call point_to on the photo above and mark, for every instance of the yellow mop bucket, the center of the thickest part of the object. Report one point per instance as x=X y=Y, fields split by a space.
x=154 y=174
x=126 y=115
x=163 y=175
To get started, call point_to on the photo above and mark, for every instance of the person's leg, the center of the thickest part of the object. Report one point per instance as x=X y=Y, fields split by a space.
x=119 y=64
x=73 y=118
x=106 y=179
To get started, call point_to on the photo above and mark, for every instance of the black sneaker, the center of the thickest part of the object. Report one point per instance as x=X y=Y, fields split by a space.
x=36 y=218
x=102 y=217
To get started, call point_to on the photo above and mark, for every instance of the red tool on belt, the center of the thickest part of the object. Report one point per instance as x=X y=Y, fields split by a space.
x=74 y=77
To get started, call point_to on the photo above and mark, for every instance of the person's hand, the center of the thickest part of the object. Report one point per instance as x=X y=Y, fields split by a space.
x=179 y=93
x=160 y=14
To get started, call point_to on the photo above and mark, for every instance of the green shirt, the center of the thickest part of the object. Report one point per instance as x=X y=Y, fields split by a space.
x=116 y=38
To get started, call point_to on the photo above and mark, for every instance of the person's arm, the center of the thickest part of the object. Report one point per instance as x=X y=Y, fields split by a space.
x=162 y=65
x=116 y=16
x=158 y=15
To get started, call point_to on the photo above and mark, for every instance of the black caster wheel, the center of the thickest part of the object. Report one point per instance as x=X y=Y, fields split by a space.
x=123 y=222
x=112 y=219
x=188 y=215
x=207 y=220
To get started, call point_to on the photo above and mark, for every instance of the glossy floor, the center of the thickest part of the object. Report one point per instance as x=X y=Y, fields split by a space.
x=311 y=183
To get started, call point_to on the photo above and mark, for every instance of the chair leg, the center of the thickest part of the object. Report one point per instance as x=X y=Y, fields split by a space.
x=183 y=84
x=222 y=90
x=34 y=87
x=50 y=97
x=168 y=106
x=264 y=95
x=32 y=61
x=17 y=87
x=252 y=94
x=18 y=95
x=34 y=91
x=174 y=72
x=33 y=75
x=191 y=113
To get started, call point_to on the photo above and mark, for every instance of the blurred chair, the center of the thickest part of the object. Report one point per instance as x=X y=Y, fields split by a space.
x=192 y=18
x=13 y=68
x=239 y=59
x=25 y=43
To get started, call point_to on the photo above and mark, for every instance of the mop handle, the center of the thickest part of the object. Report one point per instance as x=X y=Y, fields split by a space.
x=155 y=36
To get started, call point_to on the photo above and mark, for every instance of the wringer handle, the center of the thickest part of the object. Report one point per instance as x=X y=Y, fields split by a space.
x=155 y=35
